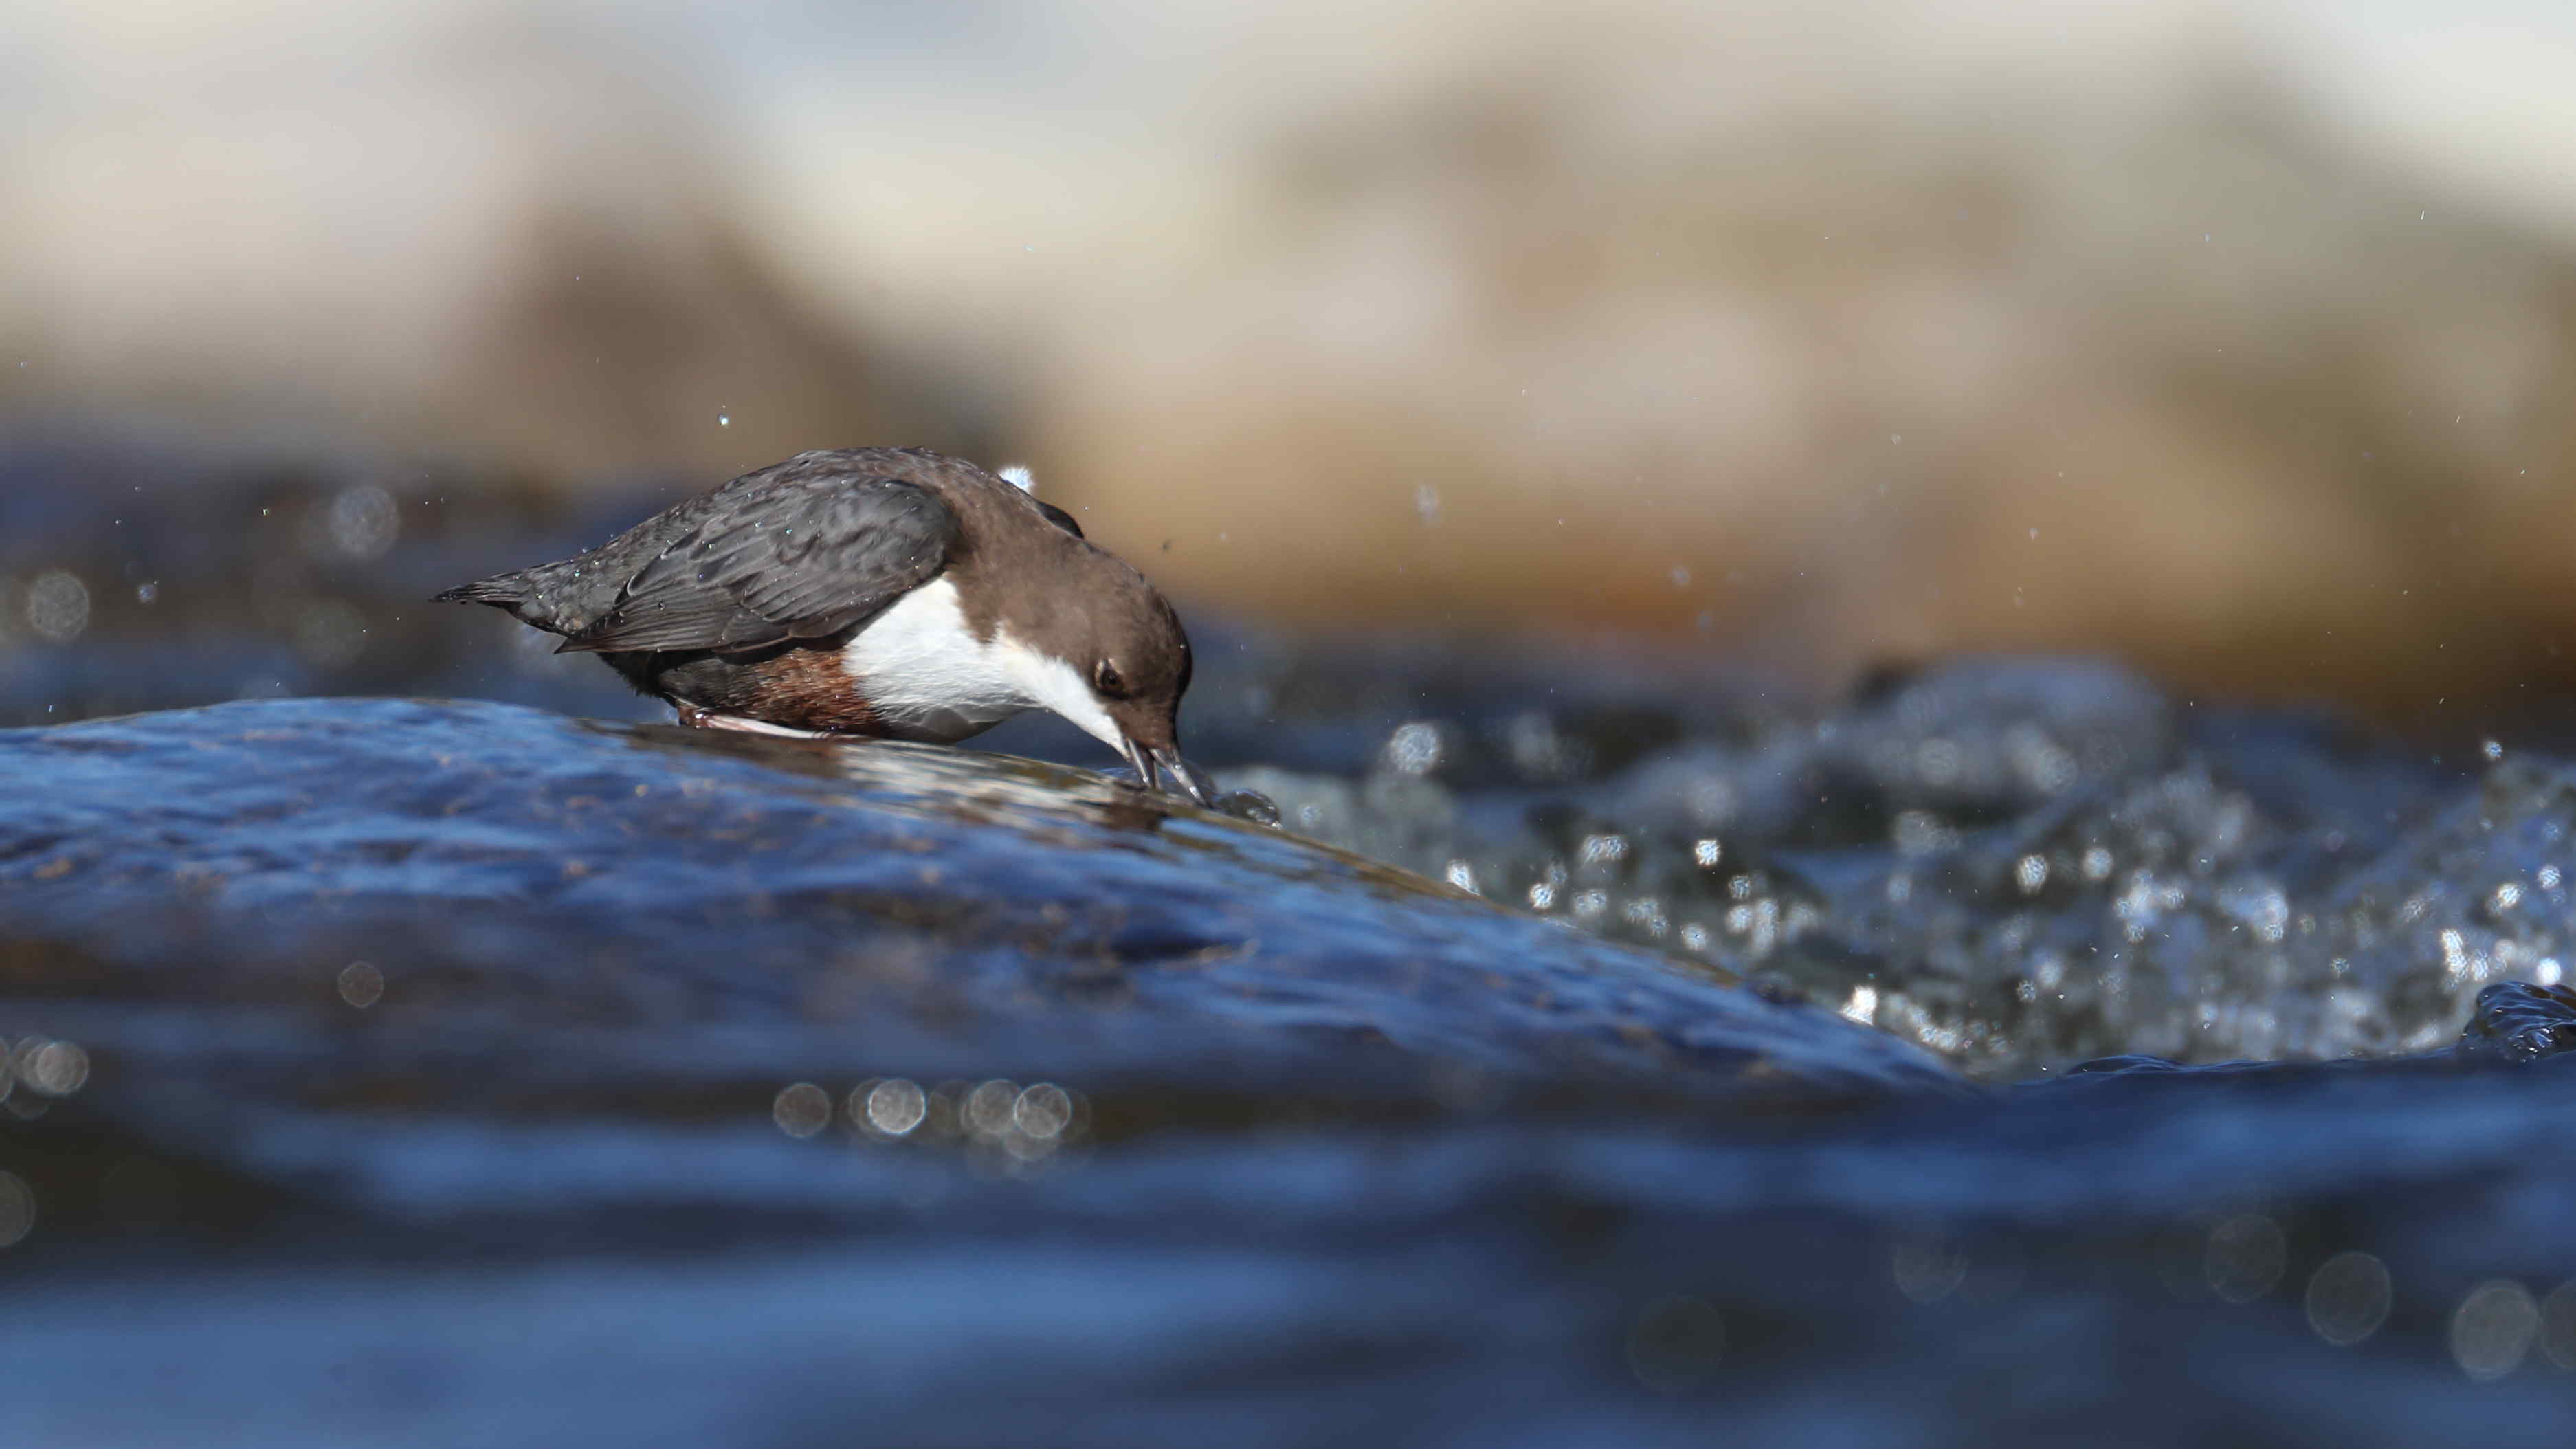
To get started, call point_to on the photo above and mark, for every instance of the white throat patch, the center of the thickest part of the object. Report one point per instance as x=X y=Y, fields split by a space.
x=929 y=678
x=1056 y=685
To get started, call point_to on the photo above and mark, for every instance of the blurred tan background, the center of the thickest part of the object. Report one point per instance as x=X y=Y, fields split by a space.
x=2238 y=339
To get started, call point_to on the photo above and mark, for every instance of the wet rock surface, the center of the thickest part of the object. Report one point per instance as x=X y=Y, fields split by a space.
x=401 y=1072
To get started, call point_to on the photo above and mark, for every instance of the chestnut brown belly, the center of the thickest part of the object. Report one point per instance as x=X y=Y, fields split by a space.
x=800 y=685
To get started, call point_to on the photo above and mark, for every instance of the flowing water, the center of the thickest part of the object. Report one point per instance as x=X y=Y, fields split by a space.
x=2009 y=1052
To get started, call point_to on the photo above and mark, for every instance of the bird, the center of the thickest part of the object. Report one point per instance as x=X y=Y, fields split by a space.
x=890 y=593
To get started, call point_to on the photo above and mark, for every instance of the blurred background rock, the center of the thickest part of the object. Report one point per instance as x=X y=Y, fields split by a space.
x=2234 y=339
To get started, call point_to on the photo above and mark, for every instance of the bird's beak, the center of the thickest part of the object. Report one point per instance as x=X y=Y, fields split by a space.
x=1183 y=776
x=1144 y=762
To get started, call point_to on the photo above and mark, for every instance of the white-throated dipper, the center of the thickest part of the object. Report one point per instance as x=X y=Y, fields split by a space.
x=891 y=593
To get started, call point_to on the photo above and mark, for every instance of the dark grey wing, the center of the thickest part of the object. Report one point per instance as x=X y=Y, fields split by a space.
x=800 y=560
x=1058 y=517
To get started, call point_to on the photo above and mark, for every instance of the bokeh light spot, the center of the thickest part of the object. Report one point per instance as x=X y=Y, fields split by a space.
x=2246 y=1256
x=802 y=1110
x=1414 y=749
x=893 y=1108
x=58 y=606
x=987 y=1109
x=17 y=1209
x=57 y=1068
x=1044 y=1111
x=362 y=521
x=2558 y=1325
x=1927 y=1268
x=361 y=984
x=2493 y=1328
x=2348 y=1298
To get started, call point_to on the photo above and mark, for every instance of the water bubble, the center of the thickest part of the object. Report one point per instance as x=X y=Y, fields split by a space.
x=2245 y=1257
x=2348 y=1298
x=802 y=1110
x=58 y=606
x=147 y=591
x=724 y=420
x=892 y=1108
x=2493 y=1328
x=1249 y=805
x=1675 y=1344
x=2492 y=749
x=362 y=521
x=361 y=984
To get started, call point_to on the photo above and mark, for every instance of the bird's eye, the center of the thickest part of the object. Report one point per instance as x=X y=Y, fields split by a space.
x=1106 y=679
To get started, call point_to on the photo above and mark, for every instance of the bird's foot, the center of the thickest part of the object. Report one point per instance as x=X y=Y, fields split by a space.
x=695 y=717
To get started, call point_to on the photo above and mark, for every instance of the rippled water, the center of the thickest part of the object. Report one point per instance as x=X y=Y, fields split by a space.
x=2017 y=863
x=386 y=1071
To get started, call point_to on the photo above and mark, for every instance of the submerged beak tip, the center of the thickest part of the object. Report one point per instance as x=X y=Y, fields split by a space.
x=1182 y=775
x=1153 y=763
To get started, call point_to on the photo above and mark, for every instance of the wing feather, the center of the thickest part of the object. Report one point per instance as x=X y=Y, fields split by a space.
x=802 y=559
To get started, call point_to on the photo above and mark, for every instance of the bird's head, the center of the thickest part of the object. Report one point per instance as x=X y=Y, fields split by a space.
x=1119 y=664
